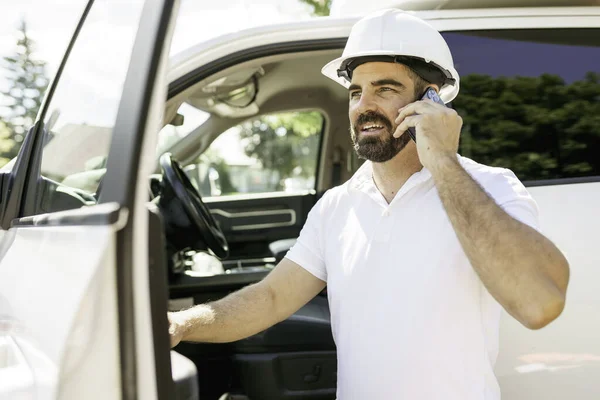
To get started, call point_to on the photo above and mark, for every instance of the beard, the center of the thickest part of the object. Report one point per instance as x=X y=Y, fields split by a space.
x=380 y=148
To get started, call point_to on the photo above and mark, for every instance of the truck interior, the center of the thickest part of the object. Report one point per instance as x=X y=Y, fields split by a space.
x=295 y=358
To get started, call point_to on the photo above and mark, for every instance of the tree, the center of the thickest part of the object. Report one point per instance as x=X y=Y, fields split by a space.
x=285 y=144
x=320 y=8
x=27 y=84
x=7 y=144
x=539 y=127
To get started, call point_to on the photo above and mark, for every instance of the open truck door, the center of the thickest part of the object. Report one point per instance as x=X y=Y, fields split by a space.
x=75 y=309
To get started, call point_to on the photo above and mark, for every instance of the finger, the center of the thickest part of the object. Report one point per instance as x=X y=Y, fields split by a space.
x=418 y=107
x=410 y=121
x=172 y=324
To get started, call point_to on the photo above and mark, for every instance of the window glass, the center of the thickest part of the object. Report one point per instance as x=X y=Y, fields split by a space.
x=273 y=153
x=33 y=38
x=188 y=118
x=82 y=111
x=530 y=100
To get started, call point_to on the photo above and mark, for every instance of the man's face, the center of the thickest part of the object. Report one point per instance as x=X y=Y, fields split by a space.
x=378 y=90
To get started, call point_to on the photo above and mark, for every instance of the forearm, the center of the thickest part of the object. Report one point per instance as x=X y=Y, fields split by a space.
x=237 y=316
x=522 y=269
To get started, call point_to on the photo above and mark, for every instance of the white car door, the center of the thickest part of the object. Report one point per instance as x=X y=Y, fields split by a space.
x=74 y=323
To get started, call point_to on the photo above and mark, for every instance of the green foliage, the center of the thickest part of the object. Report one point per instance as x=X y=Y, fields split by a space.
x=541 y=128
x=7 y=143
x=28 y=82
x=320 y=8
x=285 y=143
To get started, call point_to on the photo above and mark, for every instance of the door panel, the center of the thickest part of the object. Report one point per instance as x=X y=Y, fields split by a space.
x=59 y=296
x=15 y=373
x=252 y=223
x=562 y=360
x=293 y=359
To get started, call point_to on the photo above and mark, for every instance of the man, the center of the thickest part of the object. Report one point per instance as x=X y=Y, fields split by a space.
x=420 y=249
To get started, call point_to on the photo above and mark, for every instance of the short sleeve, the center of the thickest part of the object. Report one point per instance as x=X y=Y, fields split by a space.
x=512 y=196
x=523 y=211
x=308 y=250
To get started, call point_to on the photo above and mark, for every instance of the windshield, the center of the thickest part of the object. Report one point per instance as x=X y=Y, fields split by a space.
x=198 y=22
x=192 y=118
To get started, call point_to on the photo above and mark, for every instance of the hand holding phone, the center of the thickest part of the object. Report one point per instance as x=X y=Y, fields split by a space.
x=430 y=94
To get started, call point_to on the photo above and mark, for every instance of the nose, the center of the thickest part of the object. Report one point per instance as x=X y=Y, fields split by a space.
x=365 y=103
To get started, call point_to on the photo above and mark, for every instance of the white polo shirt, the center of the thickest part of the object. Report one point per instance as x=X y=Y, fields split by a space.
x=410 y=317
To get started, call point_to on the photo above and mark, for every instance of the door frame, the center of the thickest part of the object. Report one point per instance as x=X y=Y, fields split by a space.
x=130 y=157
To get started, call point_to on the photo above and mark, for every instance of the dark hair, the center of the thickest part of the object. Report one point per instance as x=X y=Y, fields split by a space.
x=420 y=83
x=428 y=72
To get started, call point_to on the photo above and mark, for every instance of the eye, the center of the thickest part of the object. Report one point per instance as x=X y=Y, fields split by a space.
x=386 y=89
x=354 y=95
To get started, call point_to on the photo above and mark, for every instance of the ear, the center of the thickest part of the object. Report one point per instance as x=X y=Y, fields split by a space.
x=434 y=87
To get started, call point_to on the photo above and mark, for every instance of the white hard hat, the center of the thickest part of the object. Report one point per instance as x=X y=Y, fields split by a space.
x=395 y=36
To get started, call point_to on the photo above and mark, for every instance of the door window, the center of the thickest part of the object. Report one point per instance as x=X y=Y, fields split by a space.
x=530 y=100
x=81 y=113
x=272 y=153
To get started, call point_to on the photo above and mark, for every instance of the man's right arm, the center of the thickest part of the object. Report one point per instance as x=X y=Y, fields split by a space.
x=248 y=311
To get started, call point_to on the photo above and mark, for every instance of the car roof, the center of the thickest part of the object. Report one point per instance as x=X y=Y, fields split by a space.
x=336 y=27
x=345 y=8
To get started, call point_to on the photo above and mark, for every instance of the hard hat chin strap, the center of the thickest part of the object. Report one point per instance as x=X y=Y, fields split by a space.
x=429 y=71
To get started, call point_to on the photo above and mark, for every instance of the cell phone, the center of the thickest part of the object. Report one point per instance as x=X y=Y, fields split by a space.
x=430 y=94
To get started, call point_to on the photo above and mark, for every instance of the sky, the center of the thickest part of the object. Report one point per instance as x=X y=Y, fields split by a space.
x=51 y=23
x=95 y=77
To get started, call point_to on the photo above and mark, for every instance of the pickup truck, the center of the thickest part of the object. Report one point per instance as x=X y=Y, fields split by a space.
x=153 y=180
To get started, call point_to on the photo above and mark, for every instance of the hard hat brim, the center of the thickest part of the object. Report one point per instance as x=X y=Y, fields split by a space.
x=330 y=70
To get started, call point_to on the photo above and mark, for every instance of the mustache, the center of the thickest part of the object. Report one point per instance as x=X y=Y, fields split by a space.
x=373 y=117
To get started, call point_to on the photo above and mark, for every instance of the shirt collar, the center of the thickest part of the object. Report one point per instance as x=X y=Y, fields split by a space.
x=362 y=180
x=362 y=177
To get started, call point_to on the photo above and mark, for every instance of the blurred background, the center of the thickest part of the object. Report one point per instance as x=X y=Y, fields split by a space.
x=35 y=33
x=529 y=103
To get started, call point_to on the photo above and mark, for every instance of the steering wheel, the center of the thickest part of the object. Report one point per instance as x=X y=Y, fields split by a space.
x=187 y=218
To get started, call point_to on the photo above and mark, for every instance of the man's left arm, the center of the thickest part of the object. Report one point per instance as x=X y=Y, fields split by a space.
x=521 y=268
